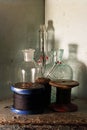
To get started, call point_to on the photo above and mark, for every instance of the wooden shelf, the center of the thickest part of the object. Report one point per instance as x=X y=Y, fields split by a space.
x=49 y=118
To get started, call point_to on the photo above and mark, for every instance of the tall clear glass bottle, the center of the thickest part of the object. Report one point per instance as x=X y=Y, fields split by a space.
x=41 y=57
x=50 y=36
x=40 y=54
x=79 y=72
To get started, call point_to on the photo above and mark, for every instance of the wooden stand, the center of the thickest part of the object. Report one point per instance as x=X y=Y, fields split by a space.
x=63 y=95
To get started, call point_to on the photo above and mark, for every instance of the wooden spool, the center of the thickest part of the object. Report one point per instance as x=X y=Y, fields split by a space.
x=63 y=95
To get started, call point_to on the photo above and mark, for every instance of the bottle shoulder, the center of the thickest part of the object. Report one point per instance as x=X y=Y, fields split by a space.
x=75 y=63
x=29 y=64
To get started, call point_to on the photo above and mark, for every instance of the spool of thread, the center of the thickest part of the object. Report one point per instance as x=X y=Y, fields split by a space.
x=28 y=98
x=63 y=95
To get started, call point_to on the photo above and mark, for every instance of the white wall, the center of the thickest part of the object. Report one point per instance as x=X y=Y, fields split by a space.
x=70 y=22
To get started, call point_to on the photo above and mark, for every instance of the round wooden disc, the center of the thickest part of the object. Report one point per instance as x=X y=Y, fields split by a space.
x=64 y=83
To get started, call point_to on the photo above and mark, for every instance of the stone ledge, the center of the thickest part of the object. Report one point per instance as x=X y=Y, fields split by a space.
x=48 y=118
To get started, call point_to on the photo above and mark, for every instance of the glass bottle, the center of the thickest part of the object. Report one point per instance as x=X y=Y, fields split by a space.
x=49 y=65
x=79 y=72
x=59 y=70
x=26 y=70
x=41 y=57
x=50 y=36
x=49 y=62
x=40 y=53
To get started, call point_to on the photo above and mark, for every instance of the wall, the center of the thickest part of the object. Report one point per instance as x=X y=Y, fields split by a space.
x=70 y=22
x=19 y=24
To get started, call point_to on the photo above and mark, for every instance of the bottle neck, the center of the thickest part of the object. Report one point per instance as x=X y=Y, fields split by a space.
x=42 y=38
x=27 y=58
x=60 y=56
x=28 y=55
x=73 y=55
x=50 y=28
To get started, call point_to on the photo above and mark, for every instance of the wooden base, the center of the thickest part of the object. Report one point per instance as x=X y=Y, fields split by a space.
x=71 y=107
x=63 y=95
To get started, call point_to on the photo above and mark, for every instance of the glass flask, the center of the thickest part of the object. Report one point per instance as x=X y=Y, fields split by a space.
x=58 y=70
x=79 y=72
x=50 y=62
x=26 y=70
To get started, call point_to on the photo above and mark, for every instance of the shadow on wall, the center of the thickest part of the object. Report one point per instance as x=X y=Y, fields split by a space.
x=79 y=72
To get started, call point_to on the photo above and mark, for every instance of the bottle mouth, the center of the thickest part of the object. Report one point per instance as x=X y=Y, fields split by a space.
x=28 y=54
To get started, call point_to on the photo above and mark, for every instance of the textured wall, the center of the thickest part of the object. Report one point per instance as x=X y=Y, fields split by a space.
x=19 y=24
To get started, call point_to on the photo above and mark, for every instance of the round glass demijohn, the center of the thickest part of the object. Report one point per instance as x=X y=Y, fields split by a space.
x=27 y=70
x=60 y=70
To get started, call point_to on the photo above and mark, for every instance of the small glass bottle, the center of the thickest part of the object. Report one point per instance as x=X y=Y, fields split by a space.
x=28 y=95
x=50 y=36
x=26 y=70
x=79 y=72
